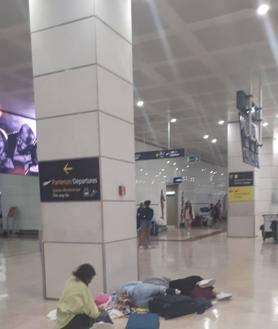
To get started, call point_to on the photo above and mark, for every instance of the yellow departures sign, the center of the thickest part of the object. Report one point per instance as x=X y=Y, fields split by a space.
x=241 y=193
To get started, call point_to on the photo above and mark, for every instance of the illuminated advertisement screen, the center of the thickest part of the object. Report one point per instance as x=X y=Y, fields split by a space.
x=250 y=149
x=18 y=145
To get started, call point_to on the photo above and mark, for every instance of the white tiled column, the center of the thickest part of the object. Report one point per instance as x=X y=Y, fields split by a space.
x=83 y=82
x=245 y=217
x=264 y=180
x=241 y=215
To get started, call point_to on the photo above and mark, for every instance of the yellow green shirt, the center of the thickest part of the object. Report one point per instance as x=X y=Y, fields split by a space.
x=76 y=299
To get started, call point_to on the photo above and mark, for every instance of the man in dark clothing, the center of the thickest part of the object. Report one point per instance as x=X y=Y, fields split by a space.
x=146 y=225
x=140 y=215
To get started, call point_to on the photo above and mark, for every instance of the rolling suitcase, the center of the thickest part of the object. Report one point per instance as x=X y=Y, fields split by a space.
x=154 y=229
x=172 y=306
x=143 y=321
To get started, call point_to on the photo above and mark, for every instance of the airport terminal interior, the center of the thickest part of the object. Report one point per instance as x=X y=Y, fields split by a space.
x=139 y=137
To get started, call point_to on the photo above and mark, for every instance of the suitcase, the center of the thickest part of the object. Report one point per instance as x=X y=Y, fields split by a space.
x=172 y=306
x=143 y=321
x=154 y=229
x=198 y=292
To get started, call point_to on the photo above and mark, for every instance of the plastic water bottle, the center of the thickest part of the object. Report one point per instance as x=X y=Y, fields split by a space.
x=114 y=298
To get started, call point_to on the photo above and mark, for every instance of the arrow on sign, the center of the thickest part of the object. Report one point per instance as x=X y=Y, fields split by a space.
x=67 y=169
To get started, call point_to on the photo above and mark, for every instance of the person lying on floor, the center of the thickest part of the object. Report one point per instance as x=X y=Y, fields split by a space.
x=140 y=293
x=76 y=308
x=194 y=286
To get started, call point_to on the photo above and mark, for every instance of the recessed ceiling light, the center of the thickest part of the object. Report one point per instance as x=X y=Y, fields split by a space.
x=214 y=140
x=222 y=174
x=174 y=163
x=140 y=103
x=206 y=136
x=177 y=168
x=173 y=120
x=263 y=9
x=163 y=169
x=141 y=170
x=221 y=122
x=168 y=161
x=182 y=170
x=265 y=124
x=187 y=166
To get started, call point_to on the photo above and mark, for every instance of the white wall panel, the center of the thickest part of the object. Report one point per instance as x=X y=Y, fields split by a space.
x=115 y=95
x=119 y=220
x=267 y=147
x=243 y=208
x=264 y=183
x=262 y=207
x=241 y=226
x=265 y=172
x=64 y=47
x=263 y=194
x=62 y=258
x=266 y=160
x=117 y=138
x=121 y=263
x=73 y=133
x=44 y=14
x=234 y=149
x=117 y=14
x=72 y=221
x=235 y=164
x=233 y=132
x=108 y=42
x=115 y=173
x=66 y=92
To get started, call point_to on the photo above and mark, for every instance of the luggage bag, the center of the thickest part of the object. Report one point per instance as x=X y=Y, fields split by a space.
x=172 y=306
x=143 y=321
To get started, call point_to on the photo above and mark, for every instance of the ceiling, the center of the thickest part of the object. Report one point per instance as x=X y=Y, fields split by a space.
x=190 y=57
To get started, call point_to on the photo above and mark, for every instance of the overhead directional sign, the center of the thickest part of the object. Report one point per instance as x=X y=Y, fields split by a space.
x=160 y=154
x=193 y=158
x=70 y=180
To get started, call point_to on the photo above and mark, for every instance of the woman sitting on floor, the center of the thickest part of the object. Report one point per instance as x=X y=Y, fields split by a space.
x=76 y=308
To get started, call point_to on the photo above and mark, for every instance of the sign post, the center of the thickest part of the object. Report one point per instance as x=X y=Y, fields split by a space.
x=160 y=154
x=70 y=180
x=241 y=186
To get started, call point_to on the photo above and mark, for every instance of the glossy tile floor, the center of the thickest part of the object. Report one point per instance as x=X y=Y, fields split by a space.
x=246 y=267
x=174 y=234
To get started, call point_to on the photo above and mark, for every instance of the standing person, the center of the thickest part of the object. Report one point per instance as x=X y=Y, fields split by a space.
x=146 y=225
x=162 y=201
x=188 y=214
x=140 y=215
x=218 y=210
x=212 y=213
x=76 y=308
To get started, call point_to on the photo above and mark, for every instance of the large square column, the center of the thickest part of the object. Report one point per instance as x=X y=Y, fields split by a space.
x=83 y=82
x=246 y=216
